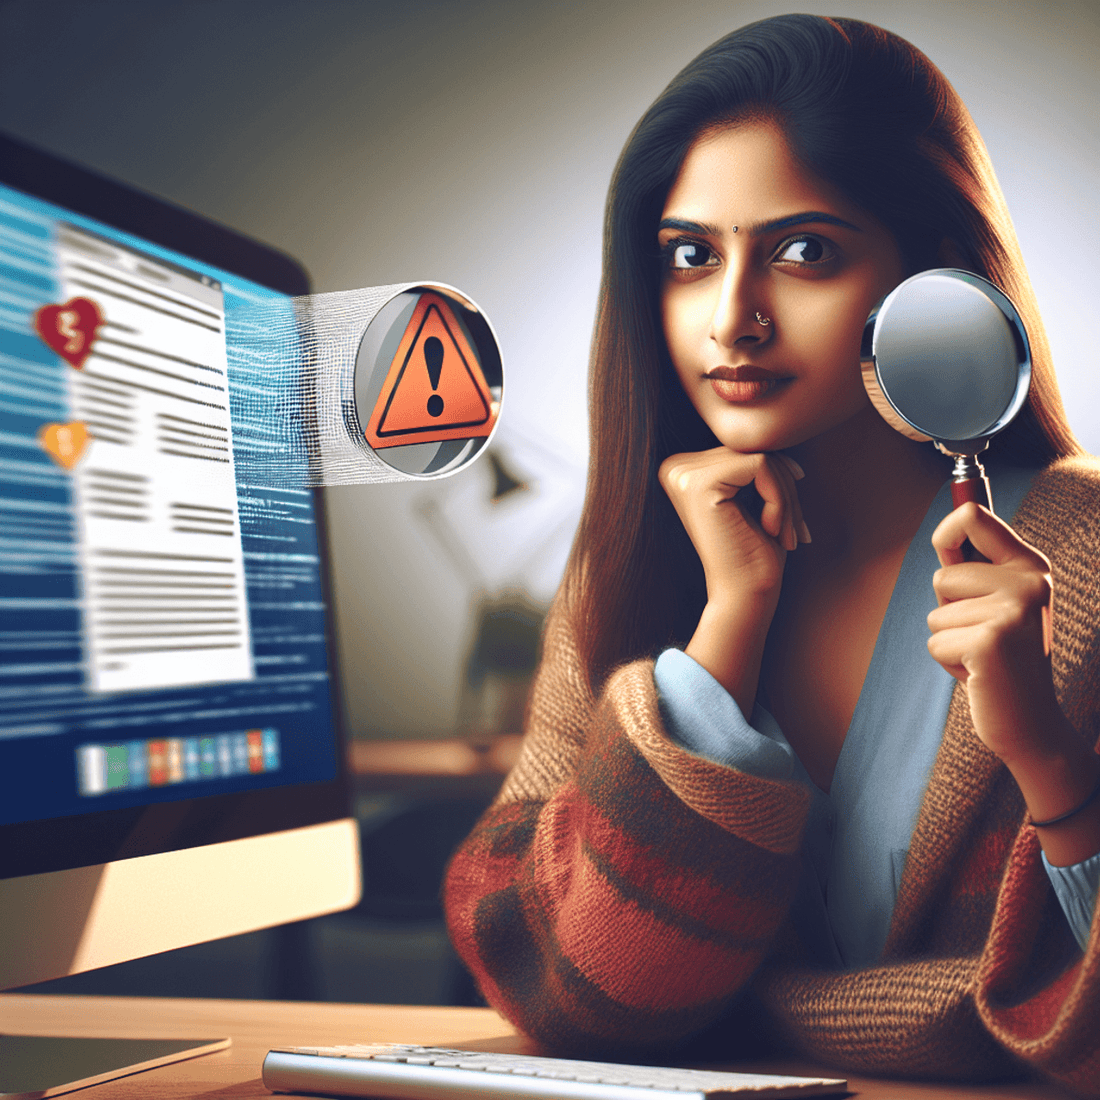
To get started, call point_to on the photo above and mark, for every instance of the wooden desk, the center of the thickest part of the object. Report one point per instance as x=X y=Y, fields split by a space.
x=256 y=1026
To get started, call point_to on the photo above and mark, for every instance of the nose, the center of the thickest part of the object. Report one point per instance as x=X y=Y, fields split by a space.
x=740 y=304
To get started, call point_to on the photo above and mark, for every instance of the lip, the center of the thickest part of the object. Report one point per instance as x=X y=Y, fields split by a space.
x=744 y=384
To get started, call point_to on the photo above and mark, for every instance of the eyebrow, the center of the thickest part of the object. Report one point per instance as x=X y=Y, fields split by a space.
x=801 y=219
x=704 y=230
x=807 y=216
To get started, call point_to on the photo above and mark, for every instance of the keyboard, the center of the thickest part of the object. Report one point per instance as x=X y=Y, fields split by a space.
x=398 y=1072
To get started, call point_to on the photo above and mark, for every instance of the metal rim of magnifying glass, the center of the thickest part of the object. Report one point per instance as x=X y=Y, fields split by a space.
x=869 y=366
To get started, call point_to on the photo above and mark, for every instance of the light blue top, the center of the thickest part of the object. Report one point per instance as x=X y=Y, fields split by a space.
x=857 y=835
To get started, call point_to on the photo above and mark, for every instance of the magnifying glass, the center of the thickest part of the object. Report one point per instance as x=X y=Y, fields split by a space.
x=945 y=358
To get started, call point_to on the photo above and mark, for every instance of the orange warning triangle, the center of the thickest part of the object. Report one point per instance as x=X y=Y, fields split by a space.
x=434 y=390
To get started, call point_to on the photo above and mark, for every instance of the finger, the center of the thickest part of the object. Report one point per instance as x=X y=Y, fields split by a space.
x=769 y=484
x=799 y=531
x=782 y=520
x=718 y=476
x=1020 y=581
x=725 y=475
x=947 y=649
x=989 y=535
x=965 y=581
x=797 y=519
x=961 y=613
x=785 y=480
x=675 y=469
x=951 y=533
x=963 y=647
x=666 y=473
x=718 y=467
x=795 y=468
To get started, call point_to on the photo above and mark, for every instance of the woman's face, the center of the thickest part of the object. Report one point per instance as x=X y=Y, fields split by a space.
x=745 y=232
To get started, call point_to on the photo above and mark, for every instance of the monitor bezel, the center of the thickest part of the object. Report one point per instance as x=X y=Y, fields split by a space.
x=102 y=836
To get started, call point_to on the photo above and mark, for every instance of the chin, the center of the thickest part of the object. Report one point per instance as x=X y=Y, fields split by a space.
x=740 y=434
x=754 y=434
x=750 y=444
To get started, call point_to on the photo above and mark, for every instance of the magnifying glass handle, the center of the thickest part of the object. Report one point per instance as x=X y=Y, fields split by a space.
x=969 y=483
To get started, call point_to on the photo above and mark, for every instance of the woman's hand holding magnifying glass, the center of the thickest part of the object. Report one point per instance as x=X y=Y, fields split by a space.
x=992 y=632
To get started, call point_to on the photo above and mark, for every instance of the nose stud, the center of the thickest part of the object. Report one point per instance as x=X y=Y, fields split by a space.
x=762 y=320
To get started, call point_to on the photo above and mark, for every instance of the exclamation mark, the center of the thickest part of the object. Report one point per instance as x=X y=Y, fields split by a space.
x=433 y=356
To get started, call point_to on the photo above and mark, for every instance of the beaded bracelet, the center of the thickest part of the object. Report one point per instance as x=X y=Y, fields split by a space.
x=1069 y=813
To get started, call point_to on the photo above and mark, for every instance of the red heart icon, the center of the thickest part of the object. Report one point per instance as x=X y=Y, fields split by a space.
x=69 y=329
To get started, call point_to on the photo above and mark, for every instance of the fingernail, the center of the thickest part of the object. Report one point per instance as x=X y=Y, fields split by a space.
x=799 y=473
x=804 y=532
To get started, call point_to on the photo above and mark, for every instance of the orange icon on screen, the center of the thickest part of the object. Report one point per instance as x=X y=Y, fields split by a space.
x=158 y=763
x=65 y=443
x=434 y=390
x=69 y=329
x=255 y=750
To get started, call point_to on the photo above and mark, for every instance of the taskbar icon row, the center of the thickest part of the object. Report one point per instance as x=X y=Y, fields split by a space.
x=165 y=761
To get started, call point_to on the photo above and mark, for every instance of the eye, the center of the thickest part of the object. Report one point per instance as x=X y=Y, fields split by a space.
x=687 y=255
x=804 y=250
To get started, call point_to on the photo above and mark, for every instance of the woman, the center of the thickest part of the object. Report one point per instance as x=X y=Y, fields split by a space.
x=790 y=819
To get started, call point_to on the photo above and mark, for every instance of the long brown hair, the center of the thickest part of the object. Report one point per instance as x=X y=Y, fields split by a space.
x=861 y=109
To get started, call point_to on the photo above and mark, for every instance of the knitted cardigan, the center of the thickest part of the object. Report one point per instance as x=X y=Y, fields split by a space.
x=622 y=894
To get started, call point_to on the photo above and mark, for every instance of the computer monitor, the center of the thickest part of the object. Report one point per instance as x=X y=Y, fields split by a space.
x=170 y=751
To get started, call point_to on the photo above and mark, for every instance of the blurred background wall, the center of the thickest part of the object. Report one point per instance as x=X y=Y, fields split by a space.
x=472 y=141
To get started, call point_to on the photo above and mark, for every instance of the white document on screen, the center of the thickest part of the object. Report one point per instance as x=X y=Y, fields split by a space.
x=161 y=559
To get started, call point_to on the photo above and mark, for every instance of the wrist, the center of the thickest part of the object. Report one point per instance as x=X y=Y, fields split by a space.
x=1050 y=761
x=1070 y=813
x=729 y=644
x=741 y=610
x=1060 y=791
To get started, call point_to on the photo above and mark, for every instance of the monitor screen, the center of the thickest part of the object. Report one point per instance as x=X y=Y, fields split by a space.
x=166 y=677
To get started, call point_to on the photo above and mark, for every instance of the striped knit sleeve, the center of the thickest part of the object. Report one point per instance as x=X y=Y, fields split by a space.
x=621 y=890
x=1047 y=1010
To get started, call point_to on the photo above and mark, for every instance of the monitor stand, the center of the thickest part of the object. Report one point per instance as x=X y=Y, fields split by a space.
x=36 y=1066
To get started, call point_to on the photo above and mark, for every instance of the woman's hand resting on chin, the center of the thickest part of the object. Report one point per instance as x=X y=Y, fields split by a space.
x=739 y=554
x=742 y=558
